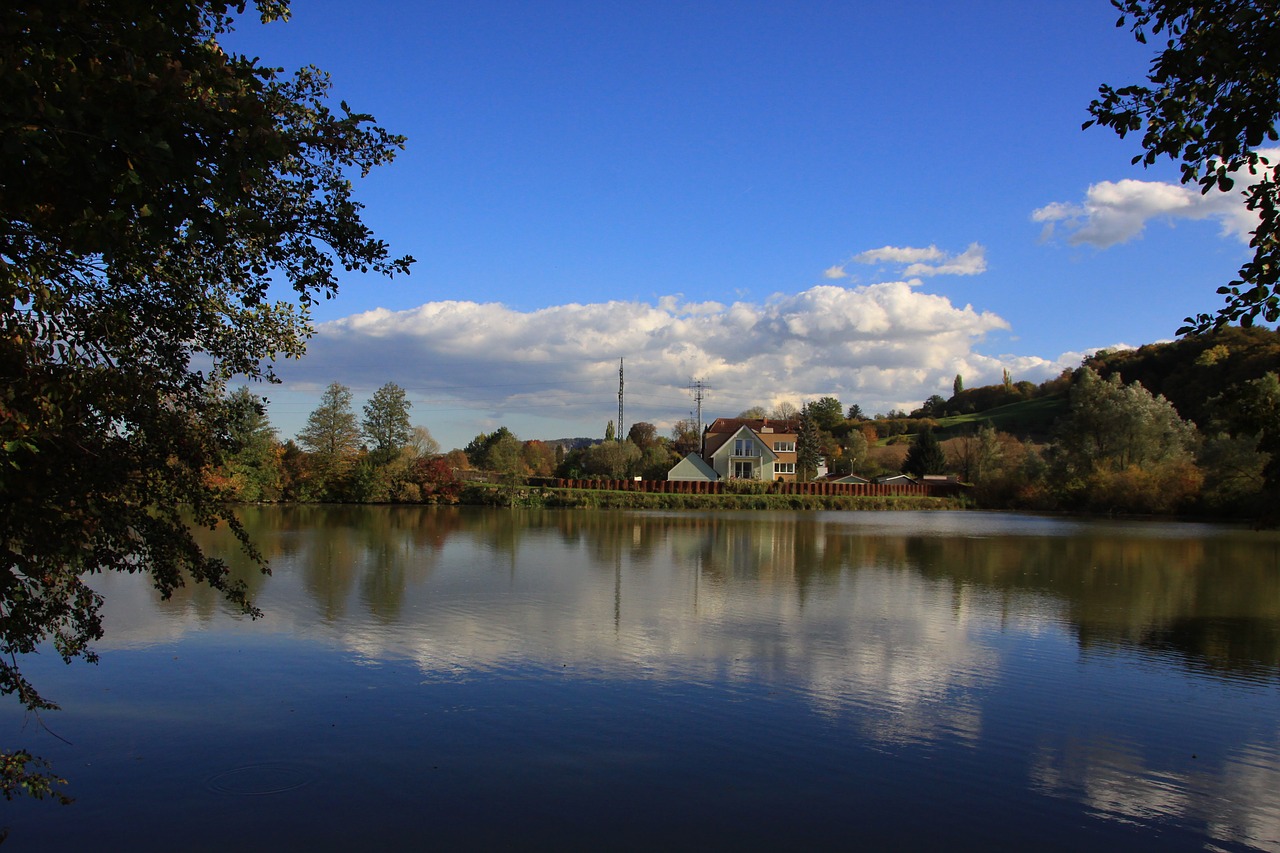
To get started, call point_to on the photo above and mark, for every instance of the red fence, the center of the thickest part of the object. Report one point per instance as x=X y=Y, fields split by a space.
x=702 y=487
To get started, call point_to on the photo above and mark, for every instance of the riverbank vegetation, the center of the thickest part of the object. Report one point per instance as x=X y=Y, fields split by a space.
x=1103 y=438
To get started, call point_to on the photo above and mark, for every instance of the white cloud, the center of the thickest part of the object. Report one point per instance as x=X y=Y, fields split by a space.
x=899 y=255
x=1118 y=211
x=553 y=372
x=930 y=261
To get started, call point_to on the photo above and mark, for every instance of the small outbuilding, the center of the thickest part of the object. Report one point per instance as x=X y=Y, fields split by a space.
x=693 y=468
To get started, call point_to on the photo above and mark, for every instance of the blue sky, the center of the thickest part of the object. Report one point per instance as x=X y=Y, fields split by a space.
x=786 y=201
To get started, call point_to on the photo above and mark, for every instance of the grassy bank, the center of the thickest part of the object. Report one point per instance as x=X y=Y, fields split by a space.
x=524 y=496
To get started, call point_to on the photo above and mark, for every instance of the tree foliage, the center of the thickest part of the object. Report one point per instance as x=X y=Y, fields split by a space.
x=925 y=455
x=1213 y=99
x=154 y=188
x=684 y=437
x=253 y=454
x=784 y=411
x=642 y=434
x=1113 y=426
x=422 y=443
x=386 y=421
x=1194 y=369
x=827 y=413
x=808 y=446
x=331 y=431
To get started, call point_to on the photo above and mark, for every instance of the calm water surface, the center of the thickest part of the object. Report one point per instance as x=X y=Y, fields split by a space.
x=480 y=679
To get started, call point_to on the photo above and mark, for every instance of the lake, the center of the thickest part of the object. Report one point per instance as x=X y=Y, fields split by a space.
x=468 y=678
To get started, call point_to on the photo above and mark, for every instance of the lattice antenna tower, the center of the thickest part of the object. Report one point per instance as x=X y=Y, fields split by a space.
x=698 y=389
x=619 y=434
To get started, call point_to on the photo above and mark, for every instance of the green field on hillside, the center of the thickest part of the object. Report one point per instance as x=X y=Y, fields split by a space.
x=1034 y=418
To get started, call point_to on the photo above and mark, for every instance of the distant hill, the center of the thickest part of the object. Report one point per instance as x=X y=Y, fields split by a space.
x=1192 y=370
x=572 y=443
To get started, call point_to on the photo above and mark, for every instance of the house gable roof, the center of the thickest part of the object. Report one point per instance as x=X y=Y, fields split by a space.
x=723 y=429
x=717 y=442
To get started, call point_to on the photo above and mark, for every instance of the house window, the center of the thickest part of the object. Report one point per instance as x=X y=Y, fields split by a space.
x=742 y=471
x=743 y=447
x=784 y=467
x=784 y=447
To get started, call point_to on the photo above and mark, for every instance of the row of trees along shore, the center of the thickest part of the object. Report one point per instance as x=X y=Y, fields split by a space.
x=1093 y=439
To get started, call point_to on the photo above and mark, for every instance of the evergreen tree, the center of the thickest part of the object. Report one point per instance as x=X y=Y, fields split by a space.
x=808 y=447
x=253 y=460
x=925 y=455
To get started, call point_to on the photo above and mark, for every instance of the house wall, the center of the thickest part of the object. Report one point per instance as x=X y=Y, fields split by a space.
x=766 y=467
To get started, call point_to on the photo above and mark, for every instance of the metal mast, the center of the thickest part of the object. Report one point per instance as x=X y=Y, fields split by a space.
x=698 y=388
x=619 y=434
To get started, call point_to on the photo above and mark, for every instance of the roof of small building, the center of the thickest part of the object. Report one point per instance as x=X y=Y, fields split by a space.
x=693 y=467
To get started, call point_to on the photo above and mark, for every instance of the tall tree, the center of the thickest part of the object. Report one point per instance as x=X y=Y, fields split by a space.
x=331 y=431
x=1112 y=426
x=684 y=437
x=808 y=447
x=642 y=434
x=155 y=187
x=827 y=413
x=386 y=421
x=253 y=457
x=958 y=385
x=925 y=456
x=785 y=411
x=1212 y=102
x=423 y=443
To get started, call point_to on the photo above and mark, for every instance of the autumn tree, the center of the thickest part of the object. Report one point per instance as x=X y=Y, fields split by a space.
x=538 y=457
x=784 y=411
x=422 y=443
x=642 y=434
x=685 y=438
x=157 y=191
x=1212 y=101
